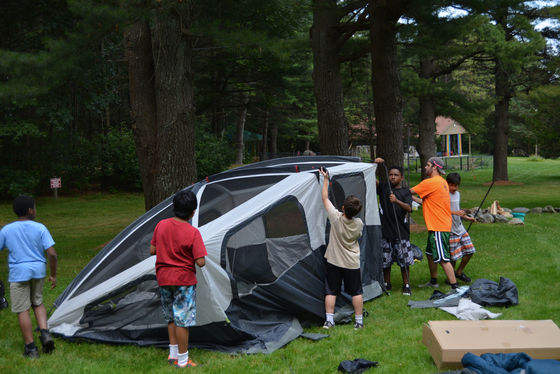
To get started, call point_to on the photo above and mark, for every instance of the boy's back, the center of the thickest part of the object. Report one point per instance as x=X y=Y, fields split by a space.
x=179 y=244
x=26 y=241
x=343 y=249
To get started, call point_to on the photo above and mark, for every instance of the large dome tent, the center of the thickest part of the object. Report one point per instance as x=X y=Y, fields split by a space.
x=265 y=230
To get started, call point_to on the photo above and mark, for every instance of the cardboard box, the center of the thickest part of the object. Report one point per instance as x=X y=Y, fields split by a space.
x=448 y=341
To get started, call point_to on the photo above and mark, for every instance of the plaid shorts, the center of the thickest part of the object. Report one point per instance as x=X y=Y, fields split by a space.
x=178 y=304
x=460 y=246
x=394 y=252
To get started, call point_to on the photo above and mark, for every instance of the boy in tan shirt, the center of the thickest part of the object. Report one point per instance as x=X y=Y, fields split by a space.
x=343 y=254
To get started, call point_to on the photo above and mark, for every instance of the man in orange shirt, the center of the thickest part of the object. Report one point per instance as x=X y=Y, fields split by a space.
x=434 y=192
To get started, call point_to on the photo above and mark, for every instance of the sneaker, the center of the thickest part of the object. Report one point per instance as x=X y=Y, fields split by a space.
x=172 y=361
x=3 y=303
x=31 y=352
x=463 y=277
x=328 y=325
x=189 y=364
x=358 y=326
x=428 y=284
x=47 y=342
x=406 y=290
x=388 y=286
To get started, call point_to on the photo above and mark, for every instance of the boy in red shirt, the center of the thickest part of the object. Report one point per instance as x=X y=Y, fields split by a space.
x=178 y=246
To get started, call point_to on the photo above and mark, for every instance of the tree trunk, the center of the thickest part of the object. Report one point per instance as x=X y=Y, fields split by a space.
x=274 y=139
x=387 y=98
x=501 y=123
x=162 y=102
x=327 y=83
x=240 y=128
x=427 y=141
x=172 y=53
x=265 y=137
x=143 y=105
x=218 y=118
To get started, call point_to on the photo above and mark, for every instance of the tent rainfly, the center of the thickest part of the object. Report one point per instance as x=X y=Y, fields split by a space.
x=265 y=231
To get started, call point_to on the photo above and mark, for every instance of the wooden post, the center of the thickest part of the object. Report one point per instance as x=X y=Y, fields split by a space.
x=56 y=183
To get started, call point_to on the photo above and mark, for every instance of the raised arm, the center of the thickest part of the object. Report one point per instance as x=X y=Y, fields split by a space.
x=325 y=190
x=378 y=160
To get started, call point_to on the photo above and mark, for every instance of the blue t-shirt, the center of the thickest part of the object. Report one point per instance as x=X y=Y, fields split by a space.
x=26 y=241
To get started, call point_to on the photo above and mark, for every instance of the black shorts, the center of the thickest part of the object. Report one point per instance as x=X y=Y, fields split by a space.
x=335 y=275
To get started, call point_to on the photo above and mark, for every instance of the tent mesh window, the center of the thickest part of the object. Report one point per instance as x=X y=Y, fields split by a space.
x=127 y=314
x=346 y=185
x=221 y=197
x=264 y=248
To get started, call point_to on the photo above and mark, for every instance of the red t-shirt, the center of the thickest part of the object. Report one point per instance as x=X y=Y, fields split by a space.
x=178 y=245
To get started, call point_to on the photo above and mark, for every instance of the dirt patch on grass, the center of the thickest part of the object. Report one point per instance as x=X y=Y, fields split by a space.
x=503 y=183
x=415 y=227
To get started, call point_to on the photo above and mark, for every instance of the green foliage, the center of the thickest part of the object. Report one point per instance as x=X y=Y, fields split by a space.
x=119 y=164
x=535 y=158
x=212 y=155
x=18 y=182
x=538 y=115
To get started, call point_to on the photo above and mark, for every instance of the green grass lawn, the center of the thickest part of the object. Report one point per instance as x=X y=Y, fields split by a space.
x=527 y=254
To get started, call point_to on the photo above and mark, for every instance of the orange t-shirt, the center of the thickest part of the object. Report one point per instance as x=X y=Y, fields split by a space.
x=436 y=206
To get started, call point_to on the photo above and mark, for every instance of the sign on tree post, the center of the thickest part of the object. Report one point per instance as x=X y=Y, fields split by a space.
x=56 y=183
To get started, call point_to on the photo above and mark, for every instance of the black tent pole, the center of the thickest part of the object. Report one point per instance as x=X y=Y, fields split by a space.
x=482 y=202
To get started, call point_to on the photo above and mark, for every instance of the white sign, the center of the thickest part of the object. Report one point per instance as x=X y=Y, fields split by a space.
x=56 y=183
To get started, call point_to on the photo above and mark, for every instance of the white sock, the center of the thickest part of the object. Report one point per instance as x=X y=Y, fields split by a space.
x=183 y=358
x=173 y=350
x=330 y=317
x=359 y=318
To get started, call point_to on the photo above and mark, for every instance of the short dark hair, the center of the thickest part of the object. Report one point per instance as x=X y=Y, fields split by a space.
x=22 y=204
x=453 y=178
x=184 y=204
x=352 y=206
x=401 y=170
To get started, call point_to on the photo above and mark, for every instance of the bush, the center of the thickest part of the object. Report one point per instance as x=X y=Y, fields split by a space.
x=212 y=155
x=16 y=182
x=119 y=163
x=535 y=158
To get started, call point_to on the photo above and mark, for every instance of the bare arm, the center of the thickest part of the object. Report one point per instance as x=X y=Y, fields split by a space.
x=201 y=261
x=416 y=198
x=325 y=191
x=406 y=207
x=152 y=249
x=378 y=160
x=53 y=262
x=461 y=213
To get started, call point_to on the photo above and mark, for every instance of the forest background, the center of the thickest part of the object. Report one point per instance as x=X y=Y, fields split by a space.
x=154 y=95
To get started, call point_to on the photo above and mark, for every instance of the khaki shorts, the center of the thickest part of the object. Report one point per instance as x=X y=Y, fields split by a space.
x=23 y=295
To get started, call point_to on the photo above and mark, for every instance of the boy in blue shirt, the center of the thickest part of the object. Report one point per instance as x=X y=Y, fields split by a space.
x=27 y=241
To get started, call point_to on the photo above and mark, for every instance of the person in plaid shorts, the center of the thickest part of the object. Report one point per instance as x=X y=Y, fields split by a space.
x=394 y=205
x=460 y=244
